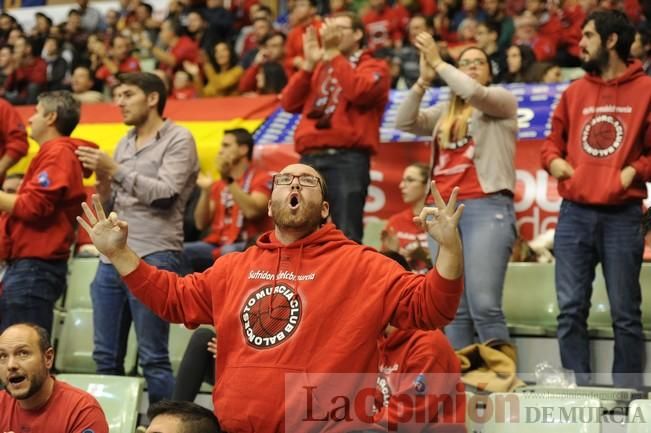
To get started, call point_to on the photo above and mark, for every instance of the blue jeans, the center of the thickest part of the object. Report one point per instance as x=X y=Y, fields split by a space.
x=114 y=306
x=199 y=254
x=586 y=235
x=347 y=176
x=488 y=232
x=30 y=287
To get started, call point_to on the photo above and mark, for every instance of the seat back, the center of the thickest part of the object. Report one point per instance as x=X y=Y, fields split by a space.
x=529 y=299
x=81 y=272
x=118 y=396
x=75 y=349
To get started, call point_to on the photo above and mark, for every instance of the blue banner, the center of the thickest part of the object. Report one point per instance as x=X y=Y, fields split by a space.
x=536 y=103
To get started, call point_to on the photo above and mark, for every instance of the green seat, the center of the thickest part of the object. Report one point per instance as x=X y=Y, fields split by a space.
x=178 y=342
x=541 y=413
x=372 y=232
x=75 y=349
x=639 y=417
x=529 y=299
x=118 y=396
x=81 y=272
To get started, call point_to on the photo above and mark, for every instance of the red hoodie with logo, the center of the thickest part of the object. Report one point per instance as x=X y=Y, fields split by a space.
x=600 y=127
x=305 y=313
x=42 y=224
x=419 y=383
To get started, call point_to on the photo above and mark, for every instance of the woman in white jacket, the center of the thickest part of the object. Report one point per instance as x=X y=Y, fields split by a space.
x=474 y=136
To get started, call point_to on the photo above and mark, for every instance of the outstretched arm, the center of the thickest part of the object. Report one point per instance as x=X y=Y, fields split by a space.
x=176 y=299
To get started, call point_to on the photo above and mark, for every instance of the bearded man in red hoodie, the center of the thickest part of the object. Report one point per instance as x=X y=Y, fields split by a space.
x=297 y=310
x=37 y=224
x=341 y=92
x=599 y=150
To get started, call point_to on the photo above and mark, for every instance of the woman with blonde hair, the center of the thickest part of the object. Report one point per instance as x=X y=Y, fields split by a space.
x=474 y=136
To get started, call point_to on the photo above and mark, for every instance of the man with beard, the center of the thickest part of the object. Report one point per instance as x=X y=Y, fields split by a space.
x=149 y=181
x=34 y=401
x=303 y=304
x=601 y=130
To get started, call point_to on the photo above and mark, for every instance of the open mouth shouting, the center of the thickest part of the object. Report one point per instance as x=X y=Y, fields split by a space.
x=294 y=201
x=16 y=381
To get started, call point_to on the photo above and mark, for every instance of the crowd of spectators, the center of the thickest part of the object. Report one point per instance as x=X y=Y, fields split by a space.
x=204 y=49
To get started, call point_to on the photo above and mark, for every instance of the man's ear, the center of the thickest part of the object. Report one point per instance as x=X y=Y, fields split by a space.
x=612 y=41
x=49 y=358
x=51 y=118
x=152 y=100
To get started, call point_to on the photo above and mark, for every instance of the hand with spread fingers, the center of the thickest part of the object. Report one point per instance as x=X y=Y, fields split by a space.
x=442 y=223
x=442 y=220
x=109 y=234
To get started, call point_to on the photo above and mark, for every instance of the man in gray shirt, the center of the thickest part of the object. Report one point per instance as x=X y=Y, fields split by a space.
x=148 y=181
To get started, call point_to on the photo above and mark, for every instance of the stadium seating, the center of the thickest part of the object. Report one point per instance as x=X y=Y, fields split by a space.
x=117 y=395
x=529 y=299
x=75 y=348
x=538 y=413
x=81 y=272
x=639 y=417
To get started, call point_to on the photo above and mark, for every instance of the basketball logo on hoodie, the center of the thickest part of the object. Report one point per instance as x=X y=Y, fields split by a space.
x=270 y=316
x=602 y=136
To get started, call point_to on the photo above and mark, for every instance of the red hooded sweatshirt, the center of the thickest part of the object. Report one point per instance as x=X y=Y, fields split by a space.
x=419 y=383
x=331 y=302
x=600 y=127
x=354 y=94
x=13 y=136
x=42 y=224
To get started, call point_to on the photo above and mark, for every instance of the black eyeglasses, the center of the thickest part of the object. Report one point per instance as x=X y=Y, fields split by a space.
x=303 y=179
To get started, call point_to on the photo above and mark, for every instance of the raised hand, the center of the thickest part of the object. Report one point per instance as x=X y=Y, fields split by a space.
x=204 y=181
x=427 y=73
x=428 y=48
x=97 y=161
x=109 y=234
x=331 y=34
x=442 y=220
x=312 y=52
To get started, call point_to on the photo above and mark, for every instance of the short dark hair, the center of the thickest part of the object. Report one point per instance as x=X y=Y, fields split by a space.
x=68 y=109
x=175 y=26
x=607 y=22
x=266 y=38
x=74 y=12
x=194 y=418
x=149 y=83
x=148 y=7
x=43 y=336
x=398 y=258
x=243 y=138
x=492 y=26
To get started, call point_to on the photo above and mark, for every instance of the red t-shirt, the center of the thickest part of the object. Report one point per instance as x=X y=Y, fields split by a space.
x=184 y=49
x=228 y=224
x=130 y=64
x=411 y=237
x=455 y=167
x=69 y=410
x=188 y=92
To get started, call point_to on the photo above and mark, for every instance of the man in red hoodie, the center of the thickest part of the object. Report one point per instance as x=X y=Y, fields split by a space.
x=302 y=305
x=37 y=225
x=601 y=131
x=341 y=92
